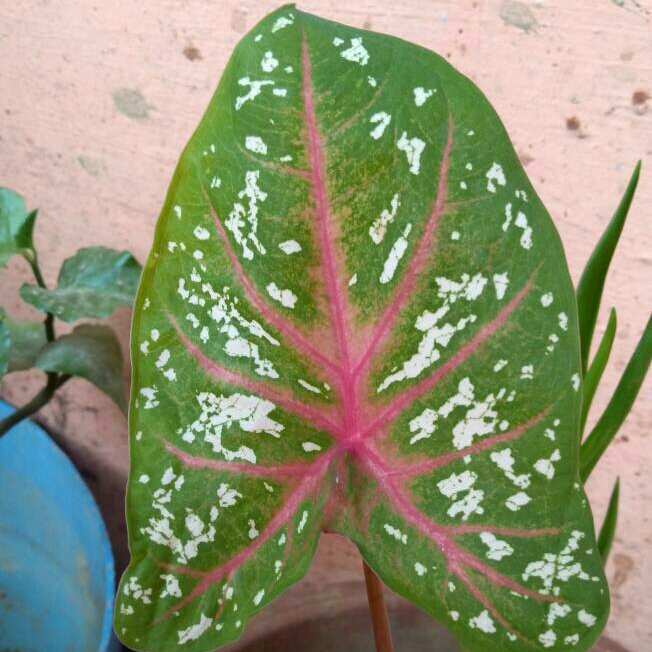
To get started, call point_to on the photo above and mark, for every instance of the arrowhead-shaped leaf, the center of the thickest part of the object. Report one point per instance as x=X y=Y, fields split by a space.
x=92 y=284
x=356 y=317
x=91 y=352
x=16 y=225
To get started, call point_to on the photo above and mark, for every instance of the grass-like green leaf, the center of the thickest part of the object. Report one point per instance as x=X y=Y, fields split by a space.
x=91 y=352
x=16 y=226
x=619 y=406
x=92 y=284
x=589 y=289
x=597 y=367
x=608 y=529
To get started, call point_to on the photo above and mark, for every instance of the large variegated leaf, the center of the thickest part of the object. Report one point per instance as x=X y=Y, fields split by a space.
x=356 y=317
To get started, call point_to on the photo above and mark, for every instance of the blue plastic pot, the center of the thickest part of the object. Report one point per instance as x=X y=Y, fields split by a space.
x=56 y=565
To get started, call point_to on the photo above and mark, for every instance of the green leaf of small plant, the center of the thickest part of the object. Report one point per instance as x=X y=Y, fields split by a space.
x=356 y=317
x=589 y=289
x=91 y=352
x=92 y=284
x=608 y=529
x=27 y=340
x=619 y=406
x=16 y=226
x=594 y=374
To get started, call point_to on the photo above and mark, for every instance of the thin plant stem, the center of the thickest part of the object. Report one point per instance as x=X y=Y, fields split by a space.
x=54 y=380
x=53 y=383
x=378 y=609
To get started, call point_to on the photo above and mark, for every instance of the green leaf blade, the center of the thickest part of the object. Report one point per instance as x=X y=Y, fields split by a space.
x=619 y=406
x=91 y=352
x=591 y=284
x=370 y=329
x=16 y=226
x=597 y=367
x=608 y=529
x=92 y=284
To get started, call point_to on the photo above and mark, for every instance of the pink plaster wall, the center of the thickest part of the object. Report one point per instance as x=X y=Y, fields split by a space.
x=68 y=70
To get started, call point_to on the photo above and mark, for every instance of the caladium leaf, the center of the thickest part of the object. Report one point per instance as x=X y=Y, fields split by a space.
x=356 y=318
x=92 y=284
x=16 y=226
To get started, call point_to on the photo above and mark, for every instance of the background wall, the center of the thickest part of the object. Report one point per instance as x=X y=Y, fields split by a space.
x=98 y=98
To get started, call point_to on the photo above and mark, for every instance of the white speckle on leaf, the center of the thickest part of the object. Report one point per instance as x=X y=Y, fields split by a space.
x=235 y=222
x=413 y=148
x=378 y=229
x=483 y=622
x=586 y=618
x=455 y=484
x=557 y=610
x=171 y=586
x=547 y=299
x=548 y=639
x=255 y=144
x=290 y=247
x=437 y=335
x=269 y=62
x=258 y=598
x=518 y=500
x=421 y=95
x=285 y=297
x=308 y=386
x=283 y=22
x=372 y=81
x=353 y=280
x=280 y=92
x=201 y=233
x=420 y=569
x=497 y=548
x=563 y=321
x=527 y=372
x=500 y=365
x=575 y=381
x=150 y=397
x=546 y=466
x=455 y=235
x=357 y=53
x=381 y=120
x=495 y=175
x=396 y=253
x=303 y=521
x=396 y=533
x=501 y=281
x=337 y=41
x=193 y=632
x=253 y=531
x=143 y=479
x=505 y=461
x=310 y=447
x=255 y=88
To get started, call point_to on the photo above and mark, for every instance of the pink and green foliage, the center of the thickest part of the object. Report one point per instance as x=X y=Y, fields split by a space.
x=356 y=318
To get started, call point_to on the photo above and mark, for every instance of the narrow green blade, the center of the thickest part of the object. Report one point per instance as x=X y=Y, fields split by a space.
x=608 y=529
x=594 y=374
x=589 y=289
x=619 y=405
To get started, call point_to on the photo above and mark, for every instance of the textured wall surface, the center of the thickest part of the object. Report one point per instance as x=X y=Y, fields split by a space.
x=99 y=98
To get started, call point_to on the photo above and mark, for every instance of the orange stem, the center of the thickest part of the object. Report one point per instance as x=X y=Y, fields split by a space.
x=378 y=609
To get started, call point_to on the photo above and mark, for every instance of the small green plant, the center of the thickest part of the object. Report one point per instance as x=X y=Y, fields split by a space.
x=91 y=284
x=357 y=318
